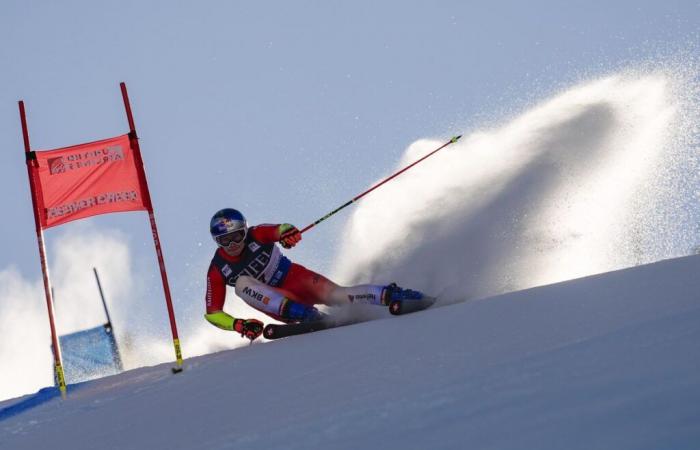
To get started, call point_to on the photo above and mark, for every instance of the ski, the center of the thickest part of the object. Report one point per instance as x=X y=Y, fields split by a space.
x=400 y=307
x=278 y=331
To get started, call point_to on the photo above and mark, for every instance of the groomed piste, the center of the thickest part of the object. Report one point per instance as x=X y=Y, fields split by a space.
x=600 y=362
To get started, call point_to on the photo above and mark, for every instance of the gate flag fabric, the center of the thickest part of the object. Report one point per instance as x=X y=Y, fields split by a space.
x=86 y=180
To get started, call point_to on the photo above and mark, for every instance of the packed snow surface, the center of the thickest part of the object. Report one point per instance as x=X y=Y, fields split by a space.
x=607 y=361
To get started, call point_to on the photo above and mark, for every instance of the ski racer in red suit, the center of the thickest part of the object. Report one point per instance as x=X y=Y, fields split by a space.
x=250 y=261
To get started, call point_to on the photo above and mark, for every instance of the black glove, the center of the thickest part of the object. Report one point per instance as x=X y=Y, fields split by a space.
x=250 y=328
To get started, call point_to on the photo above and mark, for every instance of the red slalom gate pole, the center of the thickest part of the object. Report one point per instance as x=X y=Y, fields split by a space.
x=58 y=366
x=154 y=228
x=451 y=141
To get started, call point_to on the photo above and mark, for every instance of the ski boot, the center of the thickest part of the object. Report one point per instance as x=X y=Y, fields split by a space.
x=402 y=301
x=296 y=312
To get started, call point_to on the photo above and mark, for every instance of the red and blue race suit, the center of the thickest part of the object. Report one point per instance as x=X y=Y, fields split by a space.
x=263 y=260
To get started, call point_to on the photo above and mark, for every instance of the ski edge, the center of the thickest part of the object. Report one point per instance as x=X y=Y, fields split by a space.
x=277 y=331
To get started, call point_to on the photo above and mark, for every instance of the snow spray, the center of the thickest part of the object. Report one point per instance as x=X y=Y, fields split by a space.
x=599 y=177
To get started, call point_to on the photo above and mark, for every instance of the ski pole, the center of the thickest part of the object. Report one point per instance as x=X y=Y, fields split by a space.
x=451 y=141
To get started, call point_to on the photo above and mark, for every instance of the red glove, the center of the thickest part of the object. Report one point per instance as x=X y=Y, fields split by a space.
x=289 y=235
x=250 y=328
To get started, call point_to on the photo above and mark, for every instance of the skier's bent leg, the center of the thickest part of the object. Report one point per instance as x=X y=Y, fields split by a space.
x=273 y=302
x=362 y=293
x=307 y=286
x=312 y=288
x=374 y=294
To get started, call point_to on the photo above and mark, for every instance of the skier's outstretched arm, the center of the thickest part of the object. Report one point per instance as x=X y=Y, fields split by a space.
x=216 y=296
x=221 y=319
x=285 y=233
x=250 y=328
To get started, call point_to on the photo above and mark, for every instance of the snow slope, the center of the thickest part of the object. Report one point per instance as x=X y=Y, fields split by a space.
x=606 y=361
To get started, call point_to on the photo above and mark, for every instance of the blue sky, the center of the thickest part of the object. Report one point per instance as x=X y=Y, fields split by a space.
x=285 y=109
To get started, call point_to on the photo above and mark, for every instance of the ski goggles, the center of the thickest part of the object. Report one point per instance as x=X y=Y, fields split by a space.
x=234 y=237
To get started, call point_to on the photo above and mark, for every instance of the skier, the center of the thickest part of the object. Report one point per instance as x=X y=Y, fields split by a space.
x=249 y=260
